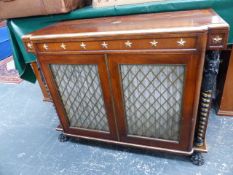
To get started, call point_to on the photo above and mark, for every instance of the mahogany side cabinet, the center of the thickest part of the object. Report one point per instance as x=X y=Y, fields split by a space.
x=143 y=81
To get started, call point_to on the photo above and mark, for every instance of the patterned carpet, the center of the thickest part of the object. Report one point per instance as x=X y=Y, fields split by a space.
x=8 y=74
x=2 y=23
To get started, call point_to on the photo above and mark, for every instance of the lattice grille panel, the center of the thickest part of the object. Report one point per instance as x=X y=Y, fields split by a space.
x=81 y=94
x=153 y=99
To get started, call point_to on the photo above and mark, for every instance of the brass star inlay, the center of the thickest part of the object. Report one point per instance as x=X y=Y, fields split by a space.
x=128 y=43
x=104 y=45
x=217 y=39
x=83 y=45
x=29 y=45
x=46 y=47
x=63 y=46
x=154 y=43
x=181 y=42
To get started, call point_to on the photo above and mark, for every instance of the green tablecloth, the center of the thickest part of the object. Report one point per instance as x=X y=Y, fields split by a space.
x=19 y=27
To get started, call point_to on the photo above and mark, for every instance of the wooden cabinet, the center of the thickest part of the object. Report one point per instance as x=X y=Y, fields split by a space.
x=133 y=80
x=225 y=101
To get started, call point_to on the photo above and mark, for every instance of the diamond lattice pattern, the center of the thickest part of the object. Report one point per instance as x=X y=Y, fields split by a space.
x=81 y=94
x=153 y=99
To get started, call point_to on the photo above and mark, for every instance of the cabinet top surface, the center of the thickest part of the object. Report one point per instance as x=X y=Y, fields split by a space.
x=181 y=21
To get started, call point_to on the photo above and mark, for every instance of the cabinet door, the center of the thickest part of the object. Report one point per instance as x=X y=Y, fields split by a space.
x=79 y=86
x=155 y=98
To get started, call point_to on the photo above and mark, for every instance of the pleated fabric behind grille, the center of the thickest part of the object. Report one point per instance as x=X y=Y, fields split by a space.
x=81 y=94
x=153 y=99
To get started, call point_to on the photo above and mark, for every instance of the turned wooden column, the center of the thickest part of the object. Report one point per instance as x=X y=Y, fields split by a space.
x=208 y=83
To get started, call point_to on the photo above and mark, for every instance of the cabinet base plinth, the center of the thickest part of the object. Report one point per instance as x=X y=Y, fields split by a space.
x=196 y=156
x=202 y=149
x=59 y=128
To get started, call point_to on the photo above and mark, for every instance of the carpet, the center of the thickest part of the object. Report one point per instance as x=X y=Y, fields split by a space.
x=8 y=73
x=2 y=23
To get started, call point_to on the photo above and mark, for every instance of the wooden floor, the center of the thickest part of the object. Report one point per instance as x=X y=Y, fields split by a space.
x=29 y=144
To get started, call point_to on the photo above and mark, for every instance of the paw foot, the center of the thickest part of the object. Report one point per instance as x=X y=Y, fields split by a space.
x=63 y=138
x=197 y=159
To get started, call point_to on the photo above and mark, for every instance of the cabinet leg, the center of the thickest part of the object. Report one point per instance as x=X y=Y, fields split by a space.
x=197 y=159
x=63 y=138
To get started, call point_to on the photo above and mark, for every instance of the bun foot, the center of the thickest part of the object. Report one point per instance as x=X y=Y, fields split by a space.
x=63 y=138
x=197 y=159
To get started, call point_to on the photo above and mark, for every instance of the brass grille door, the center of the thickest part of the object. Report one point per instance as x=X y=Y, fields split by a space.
x=81 y=94
x=82 y=87
x=151 y=93
x=153 y=97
